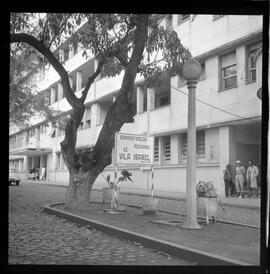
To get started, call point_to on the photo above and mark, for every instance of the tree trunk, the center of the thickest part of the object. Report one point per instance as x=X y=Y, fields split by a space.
x=78 y=192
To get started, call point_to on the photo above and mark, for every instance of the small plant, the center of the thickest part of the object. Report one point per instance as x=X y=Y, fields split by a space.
x=206 y=189
x=125 y=176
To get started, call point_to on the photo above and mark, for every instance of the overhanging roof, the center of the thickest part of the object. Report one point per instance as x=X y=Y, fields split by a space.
x=31 y=151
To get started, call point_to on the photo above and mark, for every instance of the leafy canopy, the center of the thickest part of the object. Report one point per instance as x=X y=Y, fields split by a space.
x=109 y=37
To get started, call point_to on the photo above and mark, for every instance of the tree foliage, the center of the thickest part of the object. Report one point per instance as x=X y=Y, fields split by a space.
x=128 y=43
x=24 y=102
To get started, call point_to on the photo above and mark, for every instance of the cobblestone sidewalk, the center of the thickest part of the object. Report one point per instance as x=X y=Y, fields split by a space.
x=249 y=216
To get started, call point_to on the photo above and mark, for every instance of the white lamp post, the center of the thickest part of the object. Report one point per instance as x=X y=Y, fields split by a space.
x=191 y=72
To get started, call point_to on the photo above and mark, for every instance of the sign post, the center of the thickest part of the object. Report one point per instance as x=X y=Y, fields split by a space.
x=131 y=149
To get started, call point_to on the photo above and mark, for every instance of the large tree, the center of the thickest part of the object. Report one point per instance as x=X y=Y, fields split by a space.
x=120 y=42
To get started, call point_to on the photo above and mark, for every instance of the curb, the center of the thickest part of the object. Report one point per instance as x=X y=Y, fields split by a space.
x=201 y=257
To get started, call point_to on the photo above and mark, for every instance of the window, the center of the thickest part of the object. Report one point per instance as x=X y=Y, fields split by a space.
x=169 y=21
x=32 y=132
x=88 y=117
x=55 y=94
x=181 y=81
x=27 y=137
x=47 y=97
x=182 y=18
x=200 y=139
x=228 y=71
x=57 y=160
x=81 y=126
x=202 y=76
x=200 y=146
x=156 y=149
x=251 y=62
x=162 y=99
x=144 y=100
x=217 y=16
x=43 y=128
x=167 y=148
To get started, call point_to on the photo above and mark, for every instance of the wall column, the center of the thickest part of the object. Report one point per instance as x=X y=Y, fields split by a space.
x=139 y=99
x=52 y=95
x=150 y=98
x=227 y=152
x=78 y=81
x=174 y=149
x=60 y=91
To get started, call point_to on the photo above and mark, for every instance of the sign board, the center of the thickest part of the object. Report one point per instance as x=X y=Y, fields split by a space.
x=134 y=149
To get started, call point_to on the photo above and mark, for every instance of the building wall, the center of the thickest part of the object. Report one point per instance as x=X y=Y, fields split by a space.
x=207 y=40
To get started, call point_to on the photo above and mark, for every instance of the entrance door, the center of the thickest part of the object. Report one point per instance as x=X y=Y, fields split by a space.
x=246 y=152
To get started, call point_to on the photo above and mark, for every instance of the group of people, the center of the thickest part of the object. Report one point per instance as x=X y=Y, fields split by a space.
x=37 y=174
x=243 y=180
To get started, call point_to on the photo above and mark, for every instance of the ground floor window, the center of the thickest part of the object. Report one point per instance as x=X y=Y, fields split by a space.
x=200 y=146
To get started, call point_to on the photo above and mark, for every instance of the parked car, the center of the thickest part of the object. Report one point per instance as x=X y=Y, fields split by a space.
x=14 y=178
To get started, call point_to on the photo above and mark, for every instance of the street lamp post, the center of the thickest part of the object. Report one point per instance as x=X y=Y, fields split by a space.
x=191 y=72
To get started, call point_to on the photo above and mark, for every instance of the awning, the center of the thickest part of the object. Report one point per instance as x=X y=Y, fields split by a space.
x=31 y=151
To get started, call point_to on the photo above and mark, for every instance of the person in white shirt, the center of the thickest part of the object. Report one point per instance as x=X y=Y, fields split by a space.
x=252 y=173
x=240 y=179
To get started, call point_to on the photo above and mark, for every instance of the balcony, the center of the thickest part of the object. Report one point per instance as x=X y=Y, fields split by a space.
x=29 y=146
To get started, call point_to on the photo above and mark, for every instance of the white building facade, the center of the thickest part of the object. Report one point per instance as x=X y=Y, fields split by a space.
x=228 y=111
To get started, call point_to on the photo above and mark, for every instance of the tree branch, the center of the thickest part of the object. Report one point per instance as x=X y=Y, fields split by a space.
x=46 y=52
x=91 y=80
x=119 y=112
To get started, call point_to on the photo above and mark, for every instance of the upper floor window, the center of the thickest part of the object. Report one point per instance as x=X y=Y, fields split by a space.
x=73 y=48
x=57 y=160
x=88 y=117
x=217 y=16
x=228 y=70
x=182 y=18
x=202 y=76
x=162 y=99
x=251 y=62
x=81 y=126
x=169 y=21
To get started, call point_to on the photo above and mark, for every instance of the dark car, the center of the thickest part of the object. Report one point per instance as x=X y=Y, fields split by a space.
x=14 y=178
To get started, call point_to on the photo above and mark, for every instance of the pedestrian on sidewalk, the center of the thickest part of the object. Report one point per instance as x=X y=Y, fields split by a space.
x=227 y=177
x=240 y=179
x=248 y=175
x=252 y=173
x=43 y=173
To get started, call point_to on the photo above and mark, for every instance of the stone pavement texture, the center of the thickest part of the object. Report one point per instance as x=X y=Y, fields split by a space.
x=39 y=238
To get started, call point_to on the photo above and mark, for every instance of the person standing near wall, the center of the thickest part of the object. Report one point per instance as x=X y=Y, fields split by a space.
x=229 y=185
x=252 y=174
x=248 y=175
x=240 y=179
x=43 y=173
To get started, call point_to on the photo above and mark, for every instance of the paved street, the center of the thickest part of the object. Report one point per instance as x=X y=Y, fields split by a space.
x=38 y=238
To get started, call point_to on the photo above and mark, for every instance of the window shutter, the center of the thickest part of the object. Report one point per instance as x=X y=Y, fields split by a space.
x=156 y=149
x=167 y=148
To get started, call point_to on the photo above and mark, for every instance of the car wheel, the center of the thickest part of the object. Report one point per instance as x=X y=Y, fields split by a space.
x=17 y=183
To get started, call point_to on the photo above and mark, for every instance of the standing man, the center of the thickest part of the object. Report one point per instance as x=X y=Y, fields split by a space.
x=240 y=179
x=252 y=173
x=227 y=176
x=248 y=176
